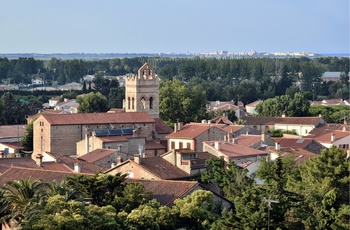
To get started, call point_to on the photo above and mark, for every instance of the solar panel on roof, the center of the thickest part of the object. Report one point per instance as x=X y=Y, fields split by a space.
x=113 y=132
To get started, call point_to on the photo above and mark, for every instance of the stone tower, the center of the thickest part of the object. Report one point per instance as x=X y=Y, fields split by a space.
x=142 y=92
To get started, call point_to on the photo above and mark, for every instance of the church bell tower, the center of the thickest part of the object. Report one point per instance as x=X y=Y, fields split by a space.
x=142 y=92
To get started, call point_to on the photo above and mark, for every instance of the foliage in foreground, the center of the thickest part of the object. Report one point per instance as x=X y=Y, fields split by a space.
x=310 y=196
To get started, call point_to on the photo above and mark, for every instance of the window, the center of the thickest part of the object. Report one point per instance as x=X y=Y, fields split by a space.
x=128 y=102
x=143 y=103
x=188 y=145
x=173 y=145
x=151 y=103
x=180 y=145
x=133 y=103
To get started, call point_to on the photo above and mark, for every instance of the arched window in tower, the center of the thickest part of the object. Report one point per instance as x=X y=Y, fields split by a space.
x=128 y=102
x=133 y=103
x=143 y=103
x=151 y=103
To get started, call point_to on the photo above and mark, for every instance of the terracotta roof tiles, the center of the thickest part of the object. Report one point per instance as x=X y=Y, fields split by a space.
x=166 y=191
x=97 y=155
x=98 y=118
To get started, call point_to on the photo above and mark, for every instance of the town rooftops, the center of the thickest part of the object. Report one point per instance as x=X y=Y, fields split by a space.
x=232 y=150
x=330 y=136
x=298 y=154
x=282 y=120
x=167 y=191
x=97 y=155
x=161 y=127
x=190 y=131
x=6 y=163
x=293 y=142
x=20 y=173
x=10 y=131
x=98 y=118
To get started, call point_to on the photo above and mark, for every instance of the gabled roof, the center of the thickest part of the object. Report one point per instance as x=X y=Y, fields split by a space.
x=233 y=150
x=9 y=131
x=66 y=164
x=253 y=104
x=299 y=154
x=167 y=191
x=150 y=144
x=281 y=120
x=98 y=118
x=161 y=127
x=248 y=140
x=293 y=142
x=107 y=139
x=18 y=173
x=97 y=155
x=163 y=169
x=190 y=131
x=23 y=162
x=326 y=137
x=221 y=120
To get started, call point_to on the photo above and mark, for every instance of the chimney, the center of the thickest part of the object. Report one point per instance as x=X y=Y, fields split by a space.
x=263 y=137
x=319 y=115
x=119 y=160
x=283 y=115
x=77 y=167
x=277 y=146
x=217 y=145
x=137 y=159
x=134 y=134
x=235 y=141
x=39 y=160
x=113 y=165
x=332 y=137
x=225 y=138
x=175 y=127
x=180 y=125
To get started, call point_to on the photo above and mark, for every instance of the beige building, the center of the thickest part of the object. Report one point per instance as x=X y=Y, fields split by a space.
x=59 y=133
x=142 y=92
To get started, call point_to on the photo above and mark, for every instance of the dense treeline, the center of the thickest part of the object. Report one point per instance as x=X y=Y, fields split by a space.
x=223 y=79
x=188 y=80
x=309 y=196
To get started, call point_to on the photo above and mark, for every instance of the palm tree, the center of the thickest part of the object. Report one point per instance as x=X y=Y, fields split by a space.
x=23 y=198
x=69 y=192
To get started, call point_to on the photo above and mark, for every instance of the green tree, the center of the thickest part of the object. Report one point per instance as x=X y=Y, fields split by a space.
x=177 y=102
x=23 y=198
x=27 y=140
x=92 y=102
x=62 y=214
x=323 y=183
x=196 y=210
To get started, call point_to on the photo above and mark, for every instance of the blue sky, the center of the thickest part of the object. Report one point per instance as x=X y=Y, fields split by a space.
x=179 y=26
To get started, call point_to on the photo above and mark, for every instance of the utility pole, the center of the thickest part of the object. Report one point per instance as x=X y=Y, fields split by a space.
x=269 y=201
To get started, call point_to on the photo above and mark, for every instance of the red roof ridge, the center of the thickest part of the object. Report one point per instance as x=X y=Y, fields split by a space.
x=46 y=170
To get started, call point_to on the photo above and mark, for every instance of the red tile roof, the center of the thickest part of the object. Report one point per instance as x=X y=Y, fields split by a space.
x=233 y=150
x=190 y=131
x=338 y=134
x=221 y=120
x=293 y=142
x=18 y=173
x=248 y=140
x=98 y=118
x=150 y=144
x=64 y=163
x=161 y=127
x=6 y=163
x=97 y=155
x=281 y=120
x=114 y=138
x=8 y=131
x=166 y=191
x=299 y=154
x=162 y=168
